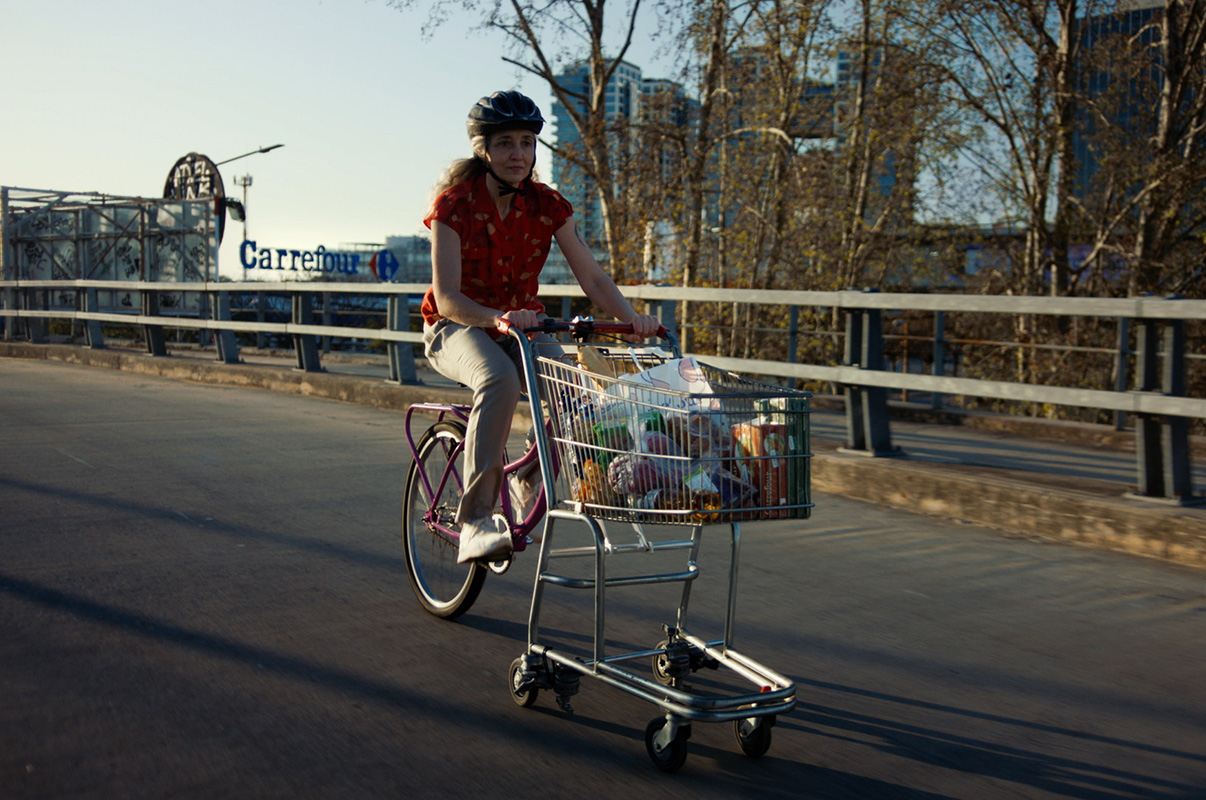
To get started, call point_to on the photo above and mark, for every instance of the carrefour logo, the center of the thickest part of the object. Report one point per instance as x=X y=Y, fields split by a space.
x=383 y=263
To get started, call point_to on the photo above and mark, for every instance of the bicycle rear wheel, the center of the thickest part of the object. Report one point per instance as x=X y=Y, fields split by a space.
x=445 y=588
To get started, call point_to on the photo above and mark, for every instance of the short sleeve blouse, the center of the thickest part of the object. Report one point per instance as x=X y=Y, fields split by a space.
x=501 y=259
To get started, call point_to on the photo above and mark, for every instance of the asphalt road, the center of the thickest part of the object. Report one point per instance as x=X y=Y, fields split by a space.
x=202 y=596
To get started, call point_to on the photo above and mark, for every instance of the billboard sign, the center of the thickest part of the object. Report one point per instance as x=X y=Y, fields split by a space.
x=195 y=176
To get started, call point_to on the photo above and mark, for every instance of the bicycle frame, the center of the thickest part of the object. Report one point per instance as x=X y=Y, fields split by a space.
x=520 y=529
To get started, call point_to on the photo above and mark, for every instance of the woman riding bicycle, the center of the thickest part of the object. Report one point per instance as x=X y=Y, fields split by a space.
x=491 y=226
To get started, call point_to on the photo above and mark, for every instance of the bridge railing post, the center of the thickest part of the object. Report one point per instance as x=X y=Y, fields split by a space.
x=94 y=334
x=149 y=303
x=1162 y=441
x=36 y=300
x=401 y=354
x=9 y=326
x=1178 y=475
x=1122 y=366
x=6 y=303
x=1147 y=427
x=936 y=399
x=305 y=344
x=224 y=339
x=261 y=314
x=875 y=398
x=868 y=430
x=327 y=319
x=665 y=311
x=793 y=334
x=856 y=434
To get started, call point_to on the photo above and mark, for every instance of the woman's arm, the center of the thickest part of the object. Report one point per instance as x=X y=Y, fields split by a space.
x=446 y=285
x=597 y=284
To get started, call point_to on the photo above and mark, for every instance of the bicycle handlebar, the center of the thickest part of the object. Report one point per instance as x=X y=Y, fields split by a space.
x=579 y=326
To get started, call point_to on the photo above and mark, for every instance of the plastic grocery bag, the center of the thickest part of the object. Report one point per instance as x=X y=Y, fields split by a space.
x=667 y=385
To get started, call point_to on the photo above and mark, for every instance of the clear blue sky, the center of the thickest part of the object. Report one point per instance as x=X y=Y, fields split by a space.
x=106 y=95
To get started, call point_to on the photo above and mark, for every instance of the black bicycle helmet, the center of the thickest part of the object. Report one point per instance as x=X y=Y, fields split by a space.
x=504 y=111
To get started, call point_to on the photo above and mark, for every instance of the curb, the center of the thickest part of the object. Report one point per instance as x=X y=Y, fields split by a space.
x=1077 y=511
x=1080 y=511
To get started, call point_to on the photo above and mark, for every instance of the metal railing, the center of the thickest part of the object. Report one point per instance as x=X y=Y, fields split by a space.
x=1155 y=393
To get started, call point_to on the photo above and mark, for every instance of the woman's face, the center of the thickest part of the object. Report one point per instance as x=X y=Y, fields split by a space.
x=511 y=155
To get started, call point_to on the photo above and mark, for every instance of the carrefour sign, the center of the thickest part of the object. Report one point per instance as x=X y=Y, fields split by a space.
x=383 y=263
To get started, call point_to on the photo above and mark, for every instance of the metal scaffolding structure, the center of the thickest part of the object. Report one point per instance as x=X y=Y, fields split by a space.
x=48 y=235
x=55 y=235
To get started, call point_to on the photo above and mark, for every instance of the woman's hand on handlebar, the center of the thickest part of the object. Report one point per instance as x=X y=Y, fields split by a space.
x=644 y=327
x=520 y=319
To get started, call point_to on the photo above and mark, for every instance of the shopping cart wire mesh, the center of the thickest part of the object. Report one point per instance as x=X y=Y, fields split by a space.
x=645 y=438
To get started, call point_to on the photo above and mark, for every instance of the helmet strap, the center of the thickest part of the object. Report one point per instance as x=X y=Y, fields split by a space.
x=505 y=188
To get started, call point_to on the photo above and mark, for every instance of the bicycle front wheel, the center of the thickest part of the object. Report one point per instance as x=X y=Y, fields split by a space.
x=445 y=588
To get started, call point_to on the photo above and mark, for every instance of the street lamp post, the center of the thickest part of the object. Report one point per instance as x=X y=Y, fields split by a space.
x=252 y=153
x=244 y=181
x=240 y=212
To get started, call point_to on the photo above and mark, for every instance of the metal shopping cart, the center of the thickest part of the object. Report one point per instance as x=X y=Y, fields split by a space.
x=638 y=444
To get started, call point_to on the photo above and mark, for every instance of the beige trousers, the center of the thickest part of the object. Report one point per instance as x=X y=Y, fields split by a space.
x=493 y=371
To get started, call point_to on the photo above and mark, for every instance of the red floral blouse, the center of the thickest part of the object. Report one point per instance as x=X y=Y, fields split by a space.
x=501 y=259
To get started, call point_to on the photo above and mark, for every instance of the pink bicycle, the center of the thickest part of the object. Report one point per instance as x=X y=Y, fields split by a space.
x=430 y=535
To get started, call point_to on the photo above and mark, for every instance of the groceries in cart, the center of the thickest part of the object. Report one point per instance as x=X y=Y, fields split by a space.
x=665 y=442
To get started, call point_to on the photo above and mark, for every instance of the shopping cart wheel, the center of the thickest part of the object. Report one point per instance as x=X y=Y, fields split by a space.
x=523 y=695
x=670 y=756
x=661 y=664
x=754 y=734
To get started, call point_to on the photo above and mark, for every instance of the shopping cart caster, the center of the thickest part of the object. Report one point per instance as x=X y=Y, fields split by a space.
x=674 y=662
x=754 y=734
x=666 y=743
x=677 y=660
x=525 y=682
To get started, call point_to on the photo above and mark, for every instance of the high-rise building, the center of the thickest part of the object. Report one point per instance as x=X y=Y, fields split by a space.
x=1106 y=39
x=621 y=104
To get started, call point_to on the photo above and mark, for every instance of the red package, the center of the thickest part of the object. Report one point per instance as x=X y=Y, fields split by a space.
x=760 y=449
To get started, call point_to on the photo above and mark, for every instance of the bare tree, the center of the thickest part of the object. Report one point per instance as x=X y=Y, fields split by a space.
x=1013 y=64
x=548 y=36
x=1140 y=201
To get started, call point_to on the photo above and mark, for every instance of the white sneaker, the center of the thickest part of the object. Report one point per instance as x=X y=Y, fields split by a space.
x=484 y=539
